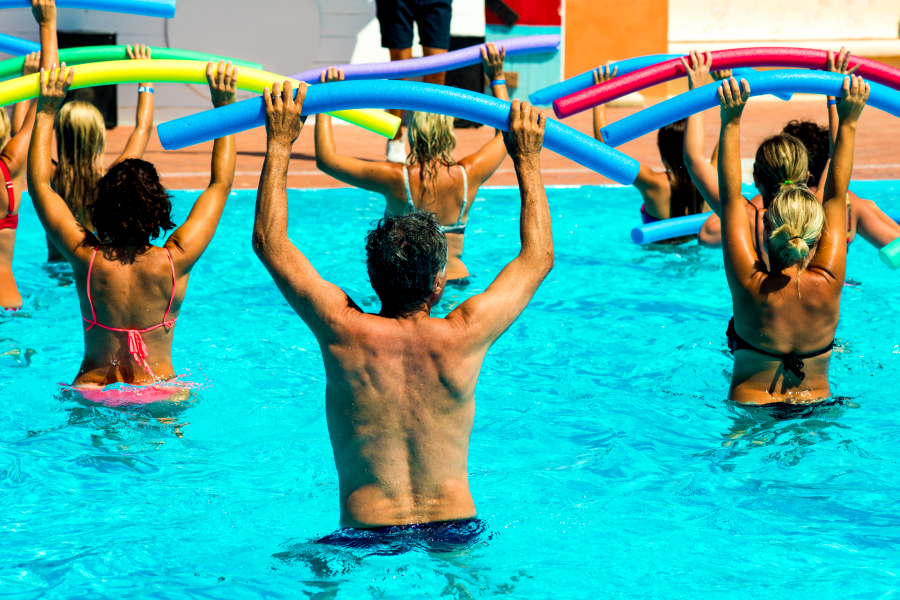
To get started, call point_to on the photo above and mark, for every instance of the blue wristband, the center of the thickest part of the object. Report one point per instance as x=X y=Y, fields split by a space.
x=832 y=102
x=144 y=88
x=498 y=82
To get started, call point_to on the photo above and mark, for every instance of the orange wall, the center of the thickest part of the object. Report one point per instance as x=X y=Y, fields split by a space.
x=600 y=30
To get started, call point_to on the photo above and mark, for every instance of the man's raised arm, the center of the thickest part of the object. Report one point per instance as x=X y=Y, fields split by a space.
x=487 y=315
x=314 y=299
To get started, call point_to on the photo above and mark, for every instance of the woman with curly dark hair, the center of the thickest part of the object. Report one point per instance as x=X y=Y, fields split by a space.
x=130 y=290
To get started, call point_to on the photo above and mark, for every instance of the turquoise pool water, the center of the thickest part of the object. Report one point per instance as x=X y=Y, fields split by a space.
x=605 y=459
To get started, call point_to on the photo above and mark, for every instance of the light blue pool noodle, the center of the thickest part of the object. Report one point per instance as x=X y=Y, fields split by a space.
x=17 y=46
x=669 y=228
x=890 y=255
x=768 y=82
x=408 y=95
x=546 y=96
x=691 y=225
x=149 y=8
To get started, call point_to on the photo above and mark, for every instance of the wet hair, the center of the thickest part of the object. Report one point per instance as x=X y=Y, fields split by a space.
x=5 y=128
x=817 y=141
x=780 y=160
x=686 y=200
x=404 y=255
x=795 y=218
x=431 y=140
x=132 y=206
x=80 y=144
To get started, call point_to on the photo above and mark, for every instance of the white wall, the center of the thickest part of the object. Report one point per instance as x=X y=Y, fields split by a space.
x=286 y=36
x=872 y=24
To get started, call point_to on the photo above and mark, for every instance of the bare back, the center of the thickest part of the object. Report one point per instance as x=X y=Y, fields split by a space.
x=129 y=290
x=400 y=406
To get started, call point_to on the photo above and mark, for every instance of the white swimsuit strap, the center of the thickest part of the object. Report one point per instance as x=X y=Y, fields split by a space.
x=465 y=179
x=409 y=201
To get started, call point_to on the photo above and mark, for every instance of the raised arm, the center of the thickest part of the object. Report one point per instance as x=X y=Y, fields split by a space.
x=481 y=165
x=831 y=254
x=31 y=66
x=601 y=74
x=375 y=176
x=188 y=242
x=63 y=230
x=703 y=173
x=313 y=298
x=486 y=316
x=839 y=63
x=143 y=118
x=741 y=258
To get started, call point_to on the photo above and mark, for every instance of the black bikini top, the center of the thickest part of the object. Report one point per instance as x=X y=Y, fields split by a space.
x=793 y=362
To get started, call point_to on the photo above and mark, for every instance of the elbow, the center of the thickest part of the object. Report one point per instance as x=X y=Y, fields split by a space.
x=260 y=244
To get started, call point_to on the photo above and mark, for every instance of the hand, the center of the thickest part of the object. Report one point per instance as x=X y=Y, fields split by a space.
x=331 y=74
x=283 y=120
x=840 y=64
x=854 y=95
x=44 y=11
x=604 y=74
x=139 y=52
x=733 y=98
x=698 y=70
x=720 y=75
x=492 y=60
x=222 y=83
x=526 y=131
x=32 y=63
x=55 y=85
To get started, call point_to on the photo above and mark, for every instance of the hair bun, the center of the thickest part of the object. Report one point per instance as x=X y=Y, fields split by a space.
x=799 y=246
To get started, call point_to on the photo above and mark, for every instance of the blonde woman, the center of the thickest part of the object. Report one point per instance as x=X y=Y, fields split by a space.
x=15 y=151
x=81 y=146
x=785 y=315
x=431 y=179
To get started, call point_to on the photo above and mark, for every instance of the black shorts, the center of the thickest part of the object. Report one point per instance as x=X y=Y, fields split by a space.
x=444 y=536
x=397 y=17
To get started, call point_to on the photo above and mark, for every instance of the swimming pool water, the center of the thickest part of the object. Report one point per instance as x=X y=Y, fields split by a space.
x=605 y=458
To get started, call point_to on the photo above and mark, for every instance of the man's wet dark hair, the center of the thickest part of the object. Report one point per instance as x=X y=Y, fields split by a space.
x=404 y=255
x=131 y=206
x=818 y=146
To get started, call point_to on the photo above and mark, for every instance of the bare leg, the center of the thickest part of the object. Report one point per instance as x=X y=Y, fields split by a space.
x=437 y=78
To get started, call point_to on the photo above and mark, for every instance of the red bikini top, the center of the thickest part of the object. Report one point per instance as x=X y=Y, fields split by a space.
x=10 y=221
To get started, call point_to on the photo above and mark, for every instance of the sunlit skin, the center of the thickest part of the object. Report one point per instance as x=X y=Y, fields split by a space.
x=386 y=178
x=15 y=153
x=784 y=308
x=400 y=397
x=130 y=285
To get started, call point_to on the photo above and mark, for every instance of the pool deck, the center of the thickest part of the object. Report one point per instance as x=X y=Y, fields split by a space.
x=877 y=156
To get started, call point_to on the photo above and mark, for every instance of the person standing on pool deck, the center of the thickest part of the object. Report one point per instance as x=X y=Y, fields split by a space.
x=81 y=146
x=14 y=152
x=130 y=291
x=432 y=180
x=396 y=18
x=785 y=315
x=400 y=397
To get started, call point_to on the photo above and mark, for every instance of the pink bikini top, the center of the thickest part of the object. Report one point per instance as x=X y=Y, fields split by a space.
x=10 y=221
x=136 y=346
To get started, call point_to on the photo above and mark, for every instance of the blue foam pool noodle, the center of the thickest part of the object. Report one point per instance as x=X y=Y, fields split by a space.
x=408 y=95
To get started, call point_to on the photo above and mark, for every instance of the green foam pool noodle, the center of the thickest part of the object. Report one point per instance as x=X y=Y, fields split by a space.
x=93 y=54
x=890 y=255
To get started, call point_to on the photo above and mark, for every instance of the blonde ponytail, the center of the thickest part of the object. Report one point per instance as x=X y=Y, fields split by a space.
x=796 y=219
x=781 y=159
